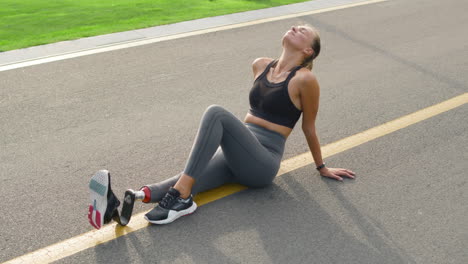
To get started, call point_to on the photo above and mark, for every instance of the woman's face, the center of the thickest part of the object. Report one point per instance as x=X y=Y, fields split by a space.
x=299 y=37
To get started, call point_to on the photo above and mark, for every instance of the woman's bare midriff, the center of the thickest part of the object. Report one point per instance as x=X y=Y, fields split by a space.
x=285 y=131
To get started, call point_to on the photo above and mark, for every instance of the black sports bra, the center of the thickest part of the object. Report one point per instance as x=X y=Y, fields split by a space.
x=271 y=101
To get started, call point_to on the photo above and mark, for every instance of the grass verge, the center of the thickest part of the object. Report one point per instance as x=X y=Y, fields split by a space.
x=26 y=23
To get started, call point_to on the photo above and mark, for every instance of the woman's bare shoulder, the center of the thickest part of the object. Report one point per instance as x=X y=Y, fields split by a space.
x=262 y=60
x=305 y=80
x=259 y=64
x=306 y=75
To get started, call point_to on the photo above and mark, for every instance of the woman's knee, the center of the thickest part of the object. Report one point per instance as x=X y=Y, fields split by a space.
x=214 y=109
x=213 y=112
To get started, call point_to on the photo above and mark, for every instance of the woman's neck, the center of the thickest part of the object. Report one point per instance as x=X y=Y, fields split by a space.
x=287 y=62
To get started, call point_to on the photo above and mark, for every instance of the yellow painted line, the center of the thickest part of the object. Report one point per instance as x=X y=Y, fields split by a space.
x=373 y=133
x=93 y=238
x=134 y=43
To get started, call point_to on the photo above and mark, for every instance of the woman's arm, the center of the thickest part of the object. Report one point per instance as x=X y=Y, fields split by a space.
x=310 y=94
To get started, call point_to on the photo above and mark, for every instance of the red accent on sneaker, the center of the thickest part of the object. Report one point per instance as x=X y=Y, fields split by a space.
x=98 y=219
x=90 y=217
x=147 y=192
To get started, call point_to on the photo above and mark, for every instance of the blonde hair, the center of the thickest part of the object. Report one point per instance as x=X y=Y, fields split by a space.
x=308 y=62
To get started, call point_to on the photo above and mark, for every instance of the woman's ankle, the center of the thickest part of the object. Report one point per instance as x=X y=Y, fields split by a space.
x=184 y=185
x=184 y=193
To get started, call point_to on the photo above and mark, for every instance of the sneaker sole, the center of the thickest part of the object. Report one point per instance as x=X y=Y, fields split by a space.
x=98 y=188
x=127 y=208
x=172 y=217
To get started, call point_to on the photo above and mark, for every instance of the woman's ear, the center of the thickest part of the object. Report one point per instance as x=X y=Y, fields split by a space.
x=308 y=51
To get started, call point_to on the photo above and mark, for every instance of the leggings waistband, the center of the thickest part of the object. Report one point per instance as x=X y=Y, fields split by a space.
x=257 y=128
x=268 y=138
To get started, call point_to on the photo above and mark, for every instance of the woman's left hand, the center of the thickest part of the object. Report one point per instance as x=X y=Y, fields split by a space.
x=335 y=173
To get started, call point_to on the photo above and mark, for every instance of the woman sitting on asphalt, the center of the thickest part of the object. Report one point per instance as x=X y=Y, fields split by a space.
x=228 y=150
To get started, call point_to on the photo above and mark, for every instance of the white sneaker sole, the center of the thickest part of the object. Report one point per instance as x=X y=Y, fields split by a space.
x=98 y=188
x=173 y=215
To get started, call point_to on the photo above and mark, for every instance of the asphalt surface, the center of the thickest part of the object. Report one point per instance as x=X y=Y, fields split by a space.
x=136 y=112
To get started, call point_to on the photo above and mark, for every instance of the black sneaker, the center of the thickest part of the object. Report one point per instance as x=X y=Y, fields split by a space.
x=170 y=208
x=104 y=203
x=112 y=205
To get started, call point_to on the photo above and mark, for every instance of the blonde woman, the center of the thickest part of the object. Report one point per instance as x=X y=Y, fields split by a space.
x=229 y=150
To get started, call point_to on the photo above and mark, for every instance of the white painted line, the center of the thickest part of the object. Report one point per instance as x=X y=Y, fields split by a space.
x=135 y=43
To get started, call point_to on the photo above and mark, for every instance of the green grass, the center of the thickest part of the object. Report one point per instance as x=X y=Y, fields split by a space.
x=25 y=23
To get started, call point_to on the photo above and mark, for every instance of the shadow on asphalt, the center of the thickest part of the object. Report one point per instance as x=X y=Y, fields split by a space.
x=259 y=225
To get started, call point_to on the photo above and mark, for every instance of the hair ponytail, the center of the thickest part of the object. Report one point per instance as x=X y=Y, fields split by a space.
x=309 y=62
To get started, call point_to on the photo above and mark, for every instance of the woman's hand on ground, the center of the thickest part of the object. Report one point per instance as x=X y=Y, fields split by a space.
x=335 y=173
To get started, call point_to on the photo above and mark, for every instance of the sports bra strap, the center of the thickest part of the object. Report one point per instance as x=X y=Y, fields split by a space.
x=291 y=74
x=271 y=64
x=267 y=69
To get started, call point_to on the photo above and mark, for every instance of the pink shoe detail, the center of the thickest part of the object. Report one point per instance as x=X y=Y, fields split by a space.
x=90 y=216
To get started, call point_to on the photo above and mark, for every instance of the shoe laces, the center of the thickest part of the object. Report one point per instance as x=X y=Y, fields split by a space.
x=167 y=201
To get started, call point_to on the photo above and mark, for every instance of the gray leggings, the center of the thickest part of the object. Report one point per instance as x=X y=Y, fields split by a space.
x=226 y=150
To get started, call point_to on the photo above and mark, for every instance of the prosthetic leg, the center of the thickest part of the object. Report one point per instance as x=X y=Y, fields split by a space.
x=104 y=204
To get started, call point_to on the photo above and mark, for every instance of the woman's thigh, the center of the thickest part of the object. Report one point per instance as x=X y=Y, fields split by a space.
x=215 y=174
x=251 y=163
